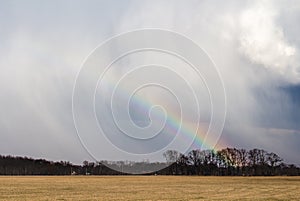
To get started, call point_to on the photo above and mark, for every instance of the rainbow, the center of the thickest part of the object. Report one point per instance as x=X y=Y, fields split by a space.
x=174 y=124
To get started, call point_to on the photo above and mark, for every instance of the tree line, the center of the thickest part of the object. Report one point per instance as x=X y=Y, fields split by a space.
x=225 y=162
x=228 y=162
x=10 y=165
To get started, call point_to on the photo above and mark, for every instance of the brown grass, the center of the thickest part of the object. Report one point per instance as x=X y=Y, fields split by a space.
x=149 y=188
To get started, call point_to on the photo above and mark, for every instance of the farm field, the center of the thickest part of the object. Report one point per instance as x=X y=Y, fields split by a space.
x=148 y=188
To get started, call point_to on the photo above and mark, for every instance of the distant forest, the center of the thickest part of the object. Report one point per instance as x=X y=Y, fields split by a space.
x=225 y=162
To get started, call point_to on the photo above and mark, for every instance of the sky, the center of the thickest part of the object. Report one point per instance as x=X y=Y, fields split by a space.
x=44 y=45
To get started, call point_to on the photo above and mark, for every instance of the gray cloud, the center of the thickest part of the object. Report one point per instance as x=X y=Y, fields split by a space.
x=255 y=46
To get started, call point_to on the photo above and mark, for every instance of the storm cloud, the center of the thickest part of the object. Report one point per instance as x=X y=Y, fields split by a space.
x=254 y=44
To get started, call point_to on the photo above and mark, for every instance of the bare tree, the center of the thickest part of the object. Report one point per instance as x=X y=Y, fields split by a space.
x=194 y=157
x=171 y=156
x=273 y=159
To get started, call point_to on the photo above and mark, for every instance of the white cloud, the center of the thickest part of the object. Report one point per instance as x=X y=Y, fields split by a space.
x=263 y=41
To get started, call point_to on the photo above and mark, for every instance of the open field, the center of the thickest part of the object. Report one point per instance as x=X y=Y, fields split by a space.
x=148 y=188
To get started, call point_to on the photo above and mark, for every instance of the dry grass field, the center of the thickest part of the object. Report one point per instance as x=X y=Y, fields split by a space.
x=149 y=188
